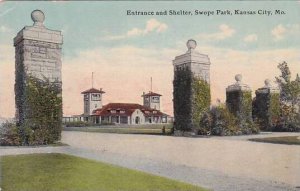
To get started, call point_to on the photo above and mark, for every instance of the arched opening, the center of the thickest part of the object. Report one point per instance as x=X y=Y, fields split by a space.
x=137 y=120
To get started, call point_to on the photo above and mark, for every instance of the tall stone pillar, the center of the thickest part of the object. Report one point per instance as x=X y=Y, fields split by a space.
x=38 y=54
x=266 y=106
x=239 y=99
x=191 y=88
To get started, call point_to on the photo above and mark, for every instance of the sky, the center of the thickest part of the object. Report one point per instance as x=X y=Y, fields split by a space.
x=125 y=51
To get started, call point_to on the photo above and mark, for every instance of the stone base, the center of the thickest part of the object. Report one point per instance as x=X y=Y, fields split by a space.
x=179 y=133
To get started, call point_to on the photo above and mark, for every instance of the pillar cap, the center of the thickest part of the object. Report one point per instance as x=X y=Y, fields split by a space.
x=38 y=17
x=238 y=85
x=268 y=86
x=191 y=44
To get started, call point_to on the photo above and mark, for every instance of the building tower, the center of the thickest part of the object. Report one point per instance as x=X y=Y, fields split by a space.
x=92 y=100
x=37 y=54
x=151 y=100
x=191 y=88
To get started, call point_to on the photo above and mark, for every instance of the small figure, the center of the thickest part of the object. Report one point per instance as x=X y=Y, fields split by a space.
x=163 y=130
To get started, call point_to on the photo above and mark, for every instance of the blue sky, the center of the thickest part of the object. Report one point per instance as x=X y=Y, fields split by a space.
x=99 y=37
x=88 y=22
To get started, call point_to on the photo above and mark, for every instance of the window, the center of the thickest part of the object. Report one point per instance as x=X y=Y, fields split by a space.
x=154 y=112
x=96 y=97
x=155 y=99
x=86 y=97
x=122 y=111
x=112 y=111
x=96 y=105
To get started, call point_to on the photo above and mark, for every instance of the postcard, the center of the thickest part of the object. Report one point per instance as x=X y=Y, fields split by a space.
x=149 y=95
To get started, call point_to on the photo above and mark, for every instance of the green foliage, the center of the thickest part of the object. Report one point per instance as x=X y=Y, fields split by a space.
x=219 y=121
x=287 y=140
x=59 y=172
x=274 y=111
x=9 y=135
x=246 y=110
x=290 y=100
x=182 y=95
x=201 y=100
x=43 y=120
x=191 y=100
x=78 y=124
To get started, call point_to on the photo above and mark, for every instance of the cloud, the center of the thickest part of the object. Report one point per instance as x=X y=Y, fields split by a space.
x=5 y=29
x=152 y=25
x=278 y=32
x=250 y=38
x=6 y=11
x=126 y=76
x=224 y=32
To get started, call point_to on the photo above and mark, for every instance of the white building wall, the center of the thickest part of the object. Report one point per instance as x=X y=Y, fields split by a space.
x=90 y=105
x=95 y=104
x=155 y=102
x=135 y=114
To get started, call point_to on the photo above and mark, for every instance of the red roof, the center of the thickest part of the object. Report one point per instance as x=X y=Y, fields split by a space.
x=125 y=109
x=151 y=94
x=93 y=90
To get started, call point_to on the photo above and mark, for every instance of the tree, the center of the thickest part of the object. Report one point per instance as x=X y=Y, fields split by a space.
x=289 y=97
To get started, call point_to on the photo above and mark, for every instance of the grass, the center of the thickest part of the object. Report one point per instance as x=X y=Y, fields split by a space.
x=287 y=140
x=36 y=172
x=134 y=129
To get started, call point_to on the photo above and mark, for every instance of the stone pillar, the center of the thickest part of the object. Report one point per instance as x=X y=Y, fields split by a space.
x=191 y=88
x=266 y=106
x=239 y=100
x=38 y=54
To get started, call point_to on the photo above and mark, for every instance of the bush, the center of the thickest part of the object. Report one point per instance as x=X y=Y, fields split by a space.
x=77 y=124
x=289 y=99
x=9 y=135
x=191 y=97
x=85 y=124
x=43 y=120
x=220 y=121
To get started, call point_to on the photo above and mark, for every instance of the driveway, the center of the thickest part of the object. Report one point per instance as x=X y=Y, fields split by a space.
x=232 y=161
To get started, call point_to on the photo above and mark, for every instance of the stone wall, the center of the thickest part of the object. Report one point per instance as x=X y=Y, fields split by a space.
x=191 y=88
x=266 y=107
x=239 y=99
x=38 y=54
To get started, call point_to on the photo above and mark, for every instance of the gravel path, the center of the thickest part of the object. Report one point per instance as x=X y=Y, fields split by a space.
x=220 y=164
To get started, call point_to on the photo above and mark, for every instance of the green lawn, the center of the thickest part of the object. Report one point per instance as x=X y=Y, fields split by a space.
x=44 y=172
x=288 y=140
x=136 y=129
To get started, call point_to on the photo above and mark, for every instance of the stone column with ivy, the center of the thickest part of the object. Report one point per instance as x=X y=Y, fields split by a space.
x=266 y=106
x=191 y=89
x=239 y=102
x=38 y=79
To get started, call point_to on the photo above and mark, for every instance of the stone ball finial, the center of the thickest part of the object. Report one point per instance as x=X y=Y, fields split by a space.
x=38 y=17
x=191 y=44
x=268 y=82
x=238 y=77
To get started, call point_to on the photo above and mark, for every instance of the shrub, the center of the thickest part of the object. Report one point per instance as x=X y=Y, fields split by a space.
x=191 y=98
x=85 y=124
x=77 y=124
x=220 y=121
x=9 y=135
x=43 y=120
x=290 y=100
